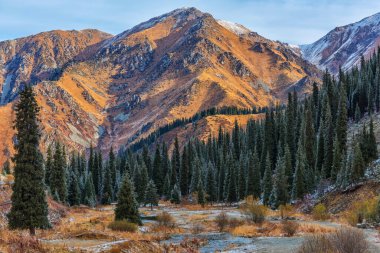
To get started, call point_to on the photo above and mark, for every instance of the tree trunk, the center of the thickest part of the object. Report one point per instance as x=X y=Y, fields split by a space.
x=32 y=231
x=151 y=207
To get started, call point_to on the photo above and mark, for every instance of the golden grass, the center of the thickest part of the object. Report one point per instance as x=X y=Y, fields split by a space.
x=271 y=229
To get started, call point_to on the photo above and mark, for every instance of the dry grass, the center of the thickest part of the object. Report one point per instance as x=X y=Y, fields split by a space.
x=286 y=228
x=344 y=240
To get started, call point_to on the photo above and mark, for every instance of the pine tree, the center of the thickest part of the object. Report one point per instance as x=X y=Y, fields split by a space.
x=176 y=195
x=74 y=194
x=342 y=121
x=112 y=171
x=299 y=187
x=267 y=181
x=158 y=176
x=141 y=182
x=48 y=166
x=107 y=187
x=167 y=186
x=196 y=175
x=127 y=207
x=151 y=196
x=58 y=175
x=89 y=197
x=184 y=173
x=29 y=207
x=337 y=159
x=372 y=145
x=211 y=185
x=201 y=194
x=358 y=165
x=279 y=195
x=231 y=182
x=176 y=163
x=7 y=168
x=253 y=177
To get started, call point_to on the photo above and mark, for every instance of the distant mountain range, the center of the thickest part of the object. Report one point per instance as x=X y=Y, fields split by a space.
x=344 y=46
x=113 y=90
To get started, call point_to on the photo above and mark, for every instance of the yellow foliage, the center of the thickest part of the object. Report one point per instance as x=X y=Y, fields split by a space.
x=320 y=212
x=360 y=211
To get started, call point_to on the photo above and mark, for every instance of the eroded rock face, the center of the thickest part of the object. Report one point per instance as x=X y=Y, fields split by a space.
x=93 y=87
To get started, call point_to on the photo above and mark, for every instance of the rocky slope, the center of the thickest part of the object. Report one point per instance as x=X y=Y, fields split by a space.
x=112 y=90
x=345 y=45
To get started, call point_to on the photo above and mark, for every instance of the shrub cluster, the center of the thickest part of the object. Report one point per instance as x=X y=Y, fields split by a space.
x=123 y=225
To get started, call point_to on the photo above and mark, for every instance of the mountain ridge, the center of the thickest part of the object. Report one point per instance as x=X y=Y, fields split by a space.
x=114 y=88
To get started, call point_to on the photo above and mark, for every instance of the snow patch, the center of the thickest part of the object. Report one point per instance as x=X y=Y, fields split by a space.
x=234 y=27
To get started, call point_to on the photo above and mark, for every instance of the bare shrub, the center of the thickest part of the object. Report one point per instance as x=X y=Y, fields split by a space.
x=349 y=240
x=344 y=240
x=290 y=228
x=234 y=222
x=285 y=211
x=222 y=221
x=166 y=220
x=253 y=210
x=320 y=212
x=316 y=244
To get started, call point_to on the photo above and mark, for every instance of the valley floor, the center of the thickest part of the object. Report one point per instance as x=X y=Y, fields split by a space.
x=195 y=230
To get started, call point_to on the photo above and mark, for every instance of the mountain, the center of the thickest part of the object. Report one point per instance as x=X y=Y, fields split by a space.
x=345 y=45
x=112 y=90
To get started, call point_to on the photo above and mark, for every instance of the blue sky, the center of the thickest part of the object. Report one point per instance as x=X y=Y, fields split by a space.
x=292 y=21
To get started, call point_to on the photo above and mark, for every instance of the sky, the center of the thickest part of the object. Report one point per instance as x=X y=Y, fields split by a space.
x=291 y=21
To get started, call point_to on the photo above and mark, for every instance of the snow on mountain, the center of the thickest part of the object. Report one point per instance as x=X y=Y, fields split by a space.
x=345 y=45
x=234 y=27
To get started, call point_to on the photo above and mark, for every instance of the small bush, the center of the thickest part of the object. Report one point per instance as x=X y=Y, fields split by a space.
x=290 y=228
x=320 y=212
x=344 y=240
x=222 y=221
x=234 y=222
x=365 y=210
x=316 y=244
x=254 y=211
x=166 y=220
x=123 y=225
x=285 y=211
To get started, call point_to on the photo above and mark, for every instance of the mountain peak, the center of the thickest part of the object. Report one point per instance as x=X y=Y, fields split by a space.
x=344 y=45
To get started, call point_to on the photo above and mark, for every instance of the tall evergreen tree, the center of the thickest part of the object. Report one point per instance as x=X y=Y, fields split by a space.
x=267 y=181
x=58 y=175
x=29 y=207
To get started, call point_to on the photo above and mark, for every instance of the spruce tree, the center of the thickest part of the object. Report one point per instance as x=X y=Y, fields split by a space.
x=299 y=187
x=211 y=185
x=107 y=187
x=358 y=166
x=48 y=166
x=74 y=193
x=201 y=194
x=151 y=196
x=89 y=197
x=58 y=175
x=141 y=182
x=267 y=181
x=167 y=186
x=176 y=197
x=279 y=195
x=29 y=207
x=253 y=177
x=127 y=207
